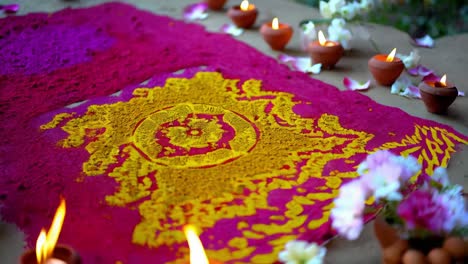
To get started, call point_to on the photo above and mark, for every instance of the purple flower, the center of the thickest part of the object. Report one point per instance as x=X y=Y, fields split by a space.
x=421 y=211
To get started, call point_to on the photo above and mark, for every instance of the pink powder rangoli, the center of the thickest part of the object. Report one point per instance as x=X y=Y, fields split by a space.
x=245 y=149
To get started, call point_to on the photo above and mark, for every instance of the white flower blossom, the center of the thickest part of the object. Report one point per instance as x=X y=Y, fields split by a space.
x=366 y=5
x=308 y=34
x=411 y=60
x=348 y=208
x=400 y=85
x=440 y=175
x=454 y=203
x=410 y=166
x=338 y=23
x=336 y=5
x=350 y=10
x=328 y=10
x=301 y=252
x=338 y=32
x=385 y=181
x=325 y=10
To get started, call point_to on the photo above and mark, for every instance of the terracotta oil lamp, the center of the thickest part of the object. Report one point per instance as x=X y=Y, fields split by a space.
x=438 y=95
x=215 y=4
x=60 y=255
x=324 y=51
x=243 y=15
x=46 y=252
x=276 y=34
x=386 y=69
x=197 y=252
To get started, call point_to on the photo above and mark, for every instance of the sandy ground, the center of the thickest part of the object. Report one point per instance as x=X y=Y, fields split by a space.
x=448 y=56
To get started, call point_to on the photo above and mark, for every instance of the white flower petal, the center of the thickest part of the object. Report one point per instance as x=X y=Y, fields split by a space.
x=403 y=86
x=354 y=85
x=196 y=11
x=303 y=64
x=338 y=22
x=325 y=10
x=410 y=61
x=231 y=30
x=440 y=175
x=337 y=32
x=411 y=91
x=315 y=69
x=297 y=251
x=308 y=34
x=425 y=42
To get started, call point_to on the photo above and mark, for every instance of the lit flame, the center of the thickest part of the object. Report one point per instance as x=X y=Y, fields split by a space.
x=41 y=247
x=391 y=56
x=46 y=241
x=322 y=39
x=244 y=6
x=275 y=23
x=443 y=80
x=197 y=253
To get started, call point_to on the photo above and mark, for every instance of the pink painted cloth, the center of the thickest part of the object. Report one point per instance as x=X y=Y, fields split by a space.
x=49 y=61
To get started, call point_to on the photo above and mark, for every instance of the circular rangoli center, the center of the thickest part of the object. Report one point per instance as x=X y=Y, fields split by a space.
x=194 y=135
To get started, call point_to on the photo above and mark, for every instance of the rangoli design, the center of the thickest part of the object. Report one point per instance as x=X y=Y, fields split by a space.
x=205 y=149
x=233 y=142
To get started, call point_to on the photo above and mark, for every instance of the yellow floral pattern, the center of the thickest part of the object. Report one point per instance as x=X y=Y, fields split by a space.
x=206 y=149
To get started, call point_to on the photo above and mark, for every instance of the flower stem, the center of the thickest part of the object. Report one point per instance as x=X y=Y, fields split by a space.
x=372 y=41
x=315 y=21
x=374 y=45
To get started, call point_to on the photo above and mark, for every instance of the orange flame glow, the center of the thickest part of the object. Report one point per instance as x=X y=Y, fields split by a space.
x=275 y=23
x=443 y=80
x=47 y=240
x=244 y=6
x=321 y=38
x=197 y=253
x=391 y=56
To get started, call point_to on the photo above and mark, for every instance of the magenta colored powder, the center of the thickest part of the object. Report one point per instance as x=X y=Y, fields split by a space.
x=128 y=47
x=43 y=49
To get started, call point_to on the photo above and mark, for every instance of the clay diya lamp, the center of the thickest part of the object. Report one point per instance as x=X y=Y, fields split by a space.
x=197 y=252
x=243 y=15
x=324 y=51
x=276 y=34
x=215 y=4
x=60 y=255
x=438 y=95
x=386 y=68
x=46 y=252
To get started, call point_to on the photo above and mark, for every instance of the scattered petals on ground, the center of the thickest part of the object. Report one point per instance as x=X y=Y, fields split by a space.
x=420 y=70
x=431 y=77
x=308 y=34
x=404 y=87
x=411 y=60
x=303 y=64
x=196 y=11
x=231 y=30
x=425 y=42
x=354 y=85
x=11 y=8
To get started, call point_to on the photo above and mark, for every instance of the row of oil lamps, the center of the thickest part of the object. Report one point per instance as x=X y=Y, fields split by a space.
x=384 y=68
x=48 y=252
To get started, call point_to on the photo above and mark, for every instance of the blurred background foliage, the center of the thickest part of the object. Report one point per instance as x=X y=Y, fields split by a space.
x=419 y=17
